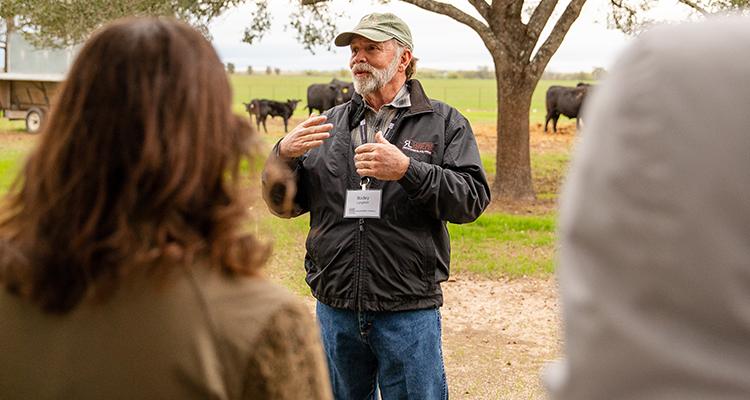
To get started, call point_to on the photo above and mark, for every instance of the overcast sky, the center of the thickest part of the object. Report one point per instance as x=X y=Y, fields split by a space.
x=439 y=41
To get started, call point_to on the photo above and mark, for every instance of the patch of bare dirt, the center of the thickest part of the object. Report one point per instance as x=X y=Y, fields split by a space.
x=497 y=335
x=539 y=141
x=15 y=137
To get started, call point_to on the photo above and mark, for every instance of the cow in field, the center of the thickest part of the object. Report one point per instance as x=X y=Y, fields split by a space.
x=264 y=108
x=567 y=101
x=323 y=96
x=347 y=89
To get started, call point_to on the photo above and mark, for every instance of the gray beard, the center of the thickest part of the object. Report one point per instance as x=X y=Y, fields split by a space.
x=377 y=78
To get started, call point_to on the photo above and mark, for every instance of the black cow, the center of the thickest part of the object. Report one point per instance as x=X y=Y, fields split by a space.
x=566 y=101
x=263 y=108
x=347 y=90
x=323 y=96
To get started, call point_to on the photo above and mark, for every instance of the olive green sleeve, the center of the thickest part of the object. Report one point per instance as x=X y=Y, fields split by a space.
x=288 y=361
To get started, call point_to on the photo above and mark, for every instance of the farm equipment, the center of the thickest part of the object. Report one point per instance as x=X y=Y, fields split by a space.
x=27 y=97
x=31 y=80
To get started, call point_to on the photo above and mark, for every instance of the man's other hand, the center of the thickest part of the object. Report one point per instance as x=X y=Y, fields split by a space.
x=380 y=160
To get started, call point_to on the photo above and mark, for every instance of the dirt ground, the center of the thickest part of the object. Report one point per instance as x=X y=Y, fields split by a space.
x=497 y=334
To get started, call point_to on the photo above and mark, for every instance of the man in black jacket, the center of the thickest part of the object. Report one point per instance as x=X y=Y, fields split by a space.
x=381 y=175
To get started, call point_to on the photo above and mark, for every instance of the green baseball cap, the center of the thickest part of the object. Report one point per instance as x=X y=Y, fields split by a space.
x=378 y=28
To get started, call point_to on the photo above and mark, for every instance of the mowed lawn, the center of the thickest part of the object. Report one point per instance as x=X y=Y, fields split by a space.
x=507 y=241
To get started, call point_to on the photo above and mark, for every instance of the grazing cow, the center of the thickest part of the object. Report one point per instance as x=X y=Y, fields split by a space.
x=263 y=108
x=566 y=101
x=323 y=96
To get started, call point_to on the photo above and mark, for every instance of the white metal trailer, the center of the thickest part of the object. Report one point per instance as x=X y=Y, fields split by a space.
x=31 y=80
x=27 y=96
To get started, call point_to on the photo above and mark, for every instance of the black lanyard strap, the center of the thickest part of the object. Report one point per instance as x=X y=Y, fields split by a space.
x=363 y=131
x=388 y=132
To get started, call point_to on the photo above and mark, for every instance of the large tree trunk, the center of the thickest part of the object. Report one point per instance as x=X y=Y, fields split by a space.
x=513 y=176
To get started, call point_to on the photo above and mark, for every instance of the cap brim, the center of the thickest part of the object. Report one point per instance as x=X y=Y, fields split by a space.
x=345 y=38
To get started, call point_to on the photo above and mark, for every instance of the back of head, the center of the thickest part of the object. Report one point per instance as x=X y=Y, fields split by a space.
x=138 y=165
x=655 y=223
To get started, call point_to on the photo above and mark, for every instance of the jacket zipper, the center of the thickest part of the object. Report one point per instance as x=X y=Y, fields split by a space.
x=360 y=265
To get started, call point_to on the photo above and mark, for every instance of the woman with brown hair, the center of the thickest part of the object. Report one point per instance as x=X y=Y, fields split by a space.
x=125 y=267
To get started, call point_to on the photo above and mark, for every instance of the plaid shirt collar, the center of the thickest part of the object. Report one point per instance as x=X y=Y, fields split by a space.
x=401 y=100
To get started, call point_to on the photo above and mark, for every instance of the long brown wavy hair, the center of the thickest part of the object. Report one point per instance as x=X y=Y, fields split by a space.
x=137 y=169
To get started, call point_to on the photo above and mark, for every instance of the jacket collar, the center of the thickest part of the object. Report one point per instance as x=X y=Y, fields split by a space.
x=419 y=103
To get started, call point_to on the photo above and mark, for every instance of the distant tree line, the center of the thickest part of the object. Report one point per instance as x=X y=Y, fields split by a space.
x=595 y=75
x=480 y=73
x=231 y=69
x=487 y=73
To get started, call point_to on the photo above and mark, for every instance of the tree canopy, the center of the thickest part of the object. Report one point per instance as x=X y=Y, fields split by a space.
x=631 y=16
x=54 y=23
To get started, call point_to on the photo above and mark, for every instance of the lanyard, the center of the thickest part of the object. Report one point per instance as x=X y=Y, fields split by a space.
x=363 y=131
x=387 y=134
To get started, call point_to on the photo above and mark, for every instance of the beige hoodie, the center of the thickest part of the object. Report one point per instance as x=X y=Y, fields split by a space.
x=654 y=265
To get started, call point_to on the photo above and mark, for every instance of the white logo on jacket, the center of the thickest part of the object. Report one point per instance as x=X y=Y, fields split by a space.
x=417 y=147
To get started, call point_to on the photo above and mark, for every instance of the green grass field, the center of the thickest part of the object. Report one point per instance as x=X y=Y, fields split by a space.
x=475 y=98
x=8 y=126
x=497 y=244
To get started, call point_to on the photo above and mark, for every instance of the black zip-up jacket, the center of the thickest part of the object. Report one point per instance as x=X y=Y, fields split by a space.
x=398 y=261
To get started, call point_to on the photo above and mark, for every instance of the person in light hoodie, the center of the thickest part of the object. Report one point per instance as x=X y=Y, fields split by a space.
x=654 y=265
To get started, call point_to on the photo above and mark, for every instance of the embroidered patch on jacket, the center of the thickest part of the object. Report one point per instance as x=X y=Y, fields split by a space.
x=418 y=147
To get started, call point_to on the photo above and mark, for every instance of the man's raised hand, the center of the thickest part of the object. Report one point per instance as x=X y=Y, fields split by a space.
x=305 y=136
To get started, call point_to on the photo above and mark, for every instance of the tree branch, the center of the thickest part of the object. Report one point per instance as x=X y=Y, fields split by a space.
x=695 y=6
x=555 y=38
x=539 y=18
x=626 y=17
x=507 y=9
x=483 y=7
x=446 y=9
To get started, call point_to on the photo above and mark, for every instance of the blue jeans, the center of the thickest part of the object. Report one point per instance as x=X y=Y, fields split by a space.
x=398 y=352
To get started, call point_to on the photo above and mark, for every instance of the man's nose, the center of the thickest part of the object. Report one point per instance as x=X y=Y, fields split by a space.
x=358 y=57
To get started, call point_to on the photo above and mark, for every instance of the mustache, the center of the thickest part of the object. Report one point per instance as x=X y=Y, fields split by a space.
x=363 y=67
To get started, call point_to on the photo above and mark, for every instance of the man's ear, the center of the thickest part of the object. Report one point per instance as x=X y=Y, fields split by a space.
x=406 y=57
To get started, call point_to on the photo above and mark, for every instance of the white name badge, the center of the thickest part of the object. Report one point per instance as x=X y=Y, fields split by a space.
x=362 y=204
